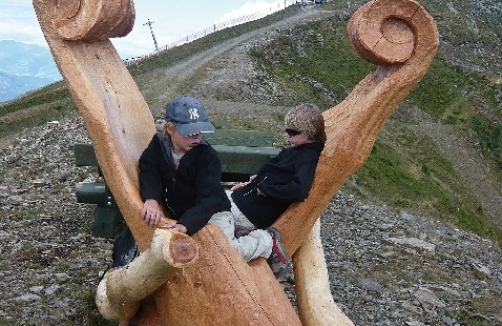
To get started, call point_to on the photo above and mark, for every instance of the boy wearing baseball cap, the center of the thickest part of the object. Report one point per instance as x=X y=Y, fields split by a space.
x=181 y=171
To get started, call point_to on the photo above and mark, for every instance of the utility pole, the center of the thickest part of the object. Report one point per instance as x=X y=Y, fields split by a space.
x=149 y=23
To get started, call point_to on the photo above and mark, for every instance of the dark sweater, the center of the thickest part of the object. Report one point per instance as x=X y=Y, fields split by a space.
x=284 y=180
x=192 y=193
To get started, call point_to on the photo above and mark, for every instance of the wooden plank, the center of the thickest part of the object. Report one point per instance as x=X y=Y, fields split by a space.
x=237 y=137
x=234 y=159
x=106 y=221
x=91 y=193
x=243 y=159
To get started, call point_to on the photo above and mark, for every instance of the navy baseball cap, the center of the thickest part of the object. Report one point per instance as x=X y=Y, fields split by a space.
x=189 y=116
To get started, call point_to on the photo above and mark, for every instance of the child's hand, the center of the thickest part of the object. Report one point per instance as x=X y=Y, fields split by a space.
x=151 y=213
x=176 y=226
x=242 y=184
x=239 y=185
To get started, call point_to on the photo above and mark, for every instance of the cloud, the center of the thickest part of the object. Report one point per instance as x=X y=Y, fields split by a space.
x=21 y=32
x=260 y=7
x=19 y=22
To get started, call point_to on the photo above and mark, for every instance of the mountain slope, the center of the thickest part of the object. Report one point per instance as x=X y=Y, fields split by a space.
x=302 y=55
x=14 y=86
x=393 y=259
x=25 y=67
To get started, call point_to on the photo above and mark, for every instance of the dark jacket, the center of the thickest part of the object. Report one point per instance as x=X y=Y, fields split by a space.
x=192 y=193
x=284 y=180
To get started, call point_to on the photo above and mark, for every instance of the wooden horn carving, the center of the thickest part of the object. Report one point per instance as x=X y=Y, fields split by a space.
x=401 y=38
x=205 y=281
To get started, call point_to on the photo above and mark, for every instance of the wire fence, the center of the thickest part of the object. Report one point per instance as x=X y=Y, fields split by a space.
x=204 y=32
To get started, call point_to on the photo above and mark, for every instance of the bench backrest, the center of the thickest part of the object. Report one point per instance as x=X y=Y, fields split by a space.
x=237 y=162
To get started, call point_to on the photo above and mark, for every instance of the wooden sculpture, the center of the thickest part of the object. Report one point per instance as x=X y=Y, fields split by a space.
x=178 y=280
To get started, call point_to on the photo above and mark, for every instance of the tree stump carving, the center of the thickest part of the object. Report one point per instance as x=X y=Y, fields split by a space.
x=202 y=280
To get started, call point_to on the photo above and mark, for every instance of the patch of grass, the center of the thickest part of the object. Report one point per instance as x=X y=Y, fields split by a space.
x=87 y=312
x=256 y=52
x=8 y=322
x=28 y=117
x=63 y=265
x=447 y=89
x=315 y=62
x=474 y=313
x=404 y=167
x=490 y=135
x=389 y=274
x=54 y=93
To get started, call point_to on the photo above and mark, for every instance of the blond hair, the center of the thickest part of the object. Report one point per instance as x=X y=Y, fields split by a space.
x=308 y=119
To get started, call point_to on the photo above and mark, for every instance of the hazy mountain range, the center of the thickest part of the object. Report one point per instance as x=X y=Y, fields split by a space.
x=24 y=67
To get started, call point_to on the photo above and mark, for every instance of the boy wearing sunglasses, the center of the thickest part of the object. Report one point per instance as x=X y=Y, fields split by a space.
x=284 y=180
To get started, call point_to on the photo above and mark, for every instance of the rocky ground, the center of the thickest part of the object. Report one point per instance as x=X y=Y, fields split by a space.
x=386 y=267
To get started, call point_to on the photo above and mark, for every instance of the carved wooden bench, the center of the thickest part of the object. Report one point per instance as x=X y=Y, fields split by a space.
x=201 y=280
x=241 y=153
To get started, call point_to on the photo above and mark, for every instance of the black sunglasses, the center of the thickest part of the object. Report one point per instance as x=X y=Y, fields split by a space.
x=292 y=132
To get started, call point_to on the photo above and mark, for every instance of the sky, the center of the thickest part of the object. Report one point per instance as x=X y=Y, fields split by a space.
x=171 y=21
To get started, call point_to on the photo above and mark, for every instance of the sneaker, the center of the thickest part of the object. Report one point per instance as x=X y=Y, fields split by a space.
x=278 y=259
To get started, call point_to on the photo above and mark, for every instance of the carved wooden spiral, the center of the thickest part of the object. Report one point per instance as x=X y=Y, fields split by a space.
x=386 y=33
x=91 y=20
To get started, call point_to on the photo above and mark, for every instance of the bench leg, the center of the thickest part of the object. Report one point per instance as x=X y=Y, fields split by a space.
x=105 y=222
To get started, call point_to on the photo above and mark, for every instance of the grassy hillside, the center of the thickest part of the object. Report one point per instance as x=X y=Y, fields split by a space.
x=406 y=169
x=315 y=62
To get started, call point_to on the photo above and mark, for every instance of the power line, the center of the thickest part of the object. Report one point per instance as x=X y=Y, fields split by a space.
x=149 y=23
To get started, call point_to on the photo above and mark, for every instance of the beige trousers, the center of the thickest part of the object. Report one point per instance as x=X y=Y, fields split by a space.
x=258 y=243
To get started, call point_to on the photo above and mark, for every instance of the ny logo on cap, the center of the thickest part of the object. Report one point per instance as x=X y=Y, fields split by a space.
x=193 y=113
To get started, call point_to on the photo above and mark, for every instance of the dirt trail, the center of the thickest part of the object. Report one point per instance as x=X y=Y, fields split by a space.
x=187 y=68
x=173 y=77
